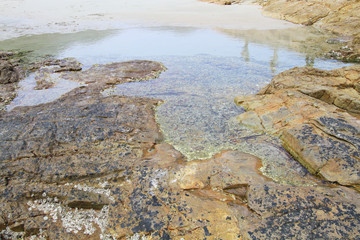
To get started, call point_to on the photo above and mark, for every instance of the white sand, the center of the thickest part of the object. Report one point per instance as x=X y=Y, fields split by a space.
x=21 y=17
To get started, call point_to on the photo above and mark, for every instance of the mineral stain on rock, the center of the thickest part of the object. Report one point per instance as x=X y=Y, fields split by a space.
x=94 y=166
x=317 y=130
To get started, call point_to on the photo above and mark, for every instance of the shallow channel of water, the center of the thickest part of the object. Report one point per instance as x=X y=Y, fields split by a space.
x=206 y=70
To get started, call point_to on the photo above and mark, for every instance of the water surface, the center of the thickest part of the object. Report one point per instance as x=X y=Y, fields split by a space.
x=206 y=70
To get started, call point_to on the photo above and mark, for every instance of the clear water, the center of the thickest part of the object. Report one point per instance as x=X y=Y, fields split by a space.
x=206 y=70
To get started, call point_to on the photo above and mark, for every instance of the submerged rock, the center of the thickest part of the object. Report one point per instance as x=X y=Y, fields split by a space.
x=309 y=109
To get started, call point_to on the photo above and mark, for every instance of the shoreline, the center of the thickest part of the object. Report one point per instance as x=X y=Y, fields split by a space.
x=19 y=18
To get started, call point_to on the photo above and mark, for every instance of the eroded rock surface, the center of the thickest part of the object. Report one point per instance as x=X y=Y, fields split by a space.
x=315 y=113
x=89 y=166
x=15 y=66
x=44 y=73
x=136 y=70
x=10 y=74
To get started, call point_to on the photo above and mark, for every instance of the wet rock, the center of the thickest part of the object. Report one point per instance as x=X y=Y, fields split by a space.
x=90 y=166
x=338 y=40
x=4 y=55
x=345 y=54
x=135 y=70
x=306 y=108
x=82 y=136
x=34 y=225
x=14 y=66
x=302 y=212
x=8 y=73
x=7 y=94
x=48 y=67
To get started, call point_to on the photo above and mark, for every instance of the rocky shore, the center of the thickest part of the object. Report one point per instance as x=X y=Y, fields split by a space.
x=94 y=166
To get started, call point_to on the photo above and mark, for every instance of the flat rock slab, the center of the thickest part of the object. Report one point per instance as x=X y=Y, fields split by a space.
x=115 y=73
x=315 y=112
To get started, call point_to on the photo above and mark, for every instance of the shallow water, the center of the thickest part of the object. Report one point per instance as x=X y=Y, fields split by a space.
x=206 y=70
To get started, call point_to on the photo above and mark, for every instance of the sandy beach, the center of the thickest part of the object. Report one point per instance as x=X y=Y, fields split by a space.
x=27 y=17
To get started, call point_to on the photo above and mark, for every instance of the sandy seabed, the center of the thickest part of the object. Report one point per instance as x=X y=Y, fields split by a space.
x=26 y=17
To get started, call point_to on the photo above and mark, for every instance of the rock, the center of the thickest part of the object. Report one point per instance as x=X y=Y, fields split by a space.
x=34 y=225
x=307 y=107
x=4 y=55
x=137 y=70
x=345 y=55
x=302 y=212
x=335 y=160
x=340 y=16
x=338 y=40
x=8 y=73
x=300 y=12
x=90 y=166
x=48 y=67
x=336 y=87
x=9 y=76
x=54 y=147
x=14 y=66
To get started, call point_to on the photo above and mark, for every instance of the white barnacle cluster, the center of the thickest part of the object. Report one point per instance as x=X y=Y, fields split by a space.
x=155 y=180
x=50 y=206
x=7 y=233
x=138 y=236
x=73 y=220
x=39 y=236
x=77 y=220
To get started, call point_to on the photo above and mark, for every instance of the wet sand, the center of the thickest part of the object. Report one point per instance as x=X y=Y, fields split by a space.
x=26 y=17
